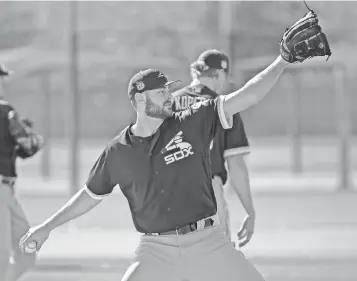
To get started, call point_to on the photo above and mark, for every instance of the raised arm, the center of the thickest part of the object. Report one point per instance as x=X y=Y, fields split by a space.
x=303 y=40
x=255 y=89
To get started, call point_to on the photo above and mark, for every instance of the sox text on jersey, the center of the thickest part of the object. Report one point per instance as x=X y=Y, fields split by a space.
x=177 y=148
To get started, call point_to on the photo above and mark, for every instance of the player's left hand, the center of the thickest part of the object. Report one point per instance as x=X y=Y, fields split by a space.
x=304 y=40
x=246 y=230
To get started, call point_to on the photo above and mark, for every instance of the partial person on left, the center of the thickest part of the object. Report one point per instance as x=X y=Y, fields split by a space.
x=17 y=139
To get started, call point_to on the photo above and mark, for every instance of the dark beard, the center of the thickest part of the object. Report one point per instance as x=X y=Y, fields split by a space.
x=155 y=111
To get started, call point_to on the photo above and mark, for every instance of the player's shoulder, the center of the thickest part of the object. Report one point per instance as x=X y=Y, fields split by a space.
x=187 y=91
x=204 y=91
x=5 y=105
x=194 y=109
x=181 y=92
x=118 y=141
x=7 y=111
x=195 y=90
x=4 y=102
x=192 y=94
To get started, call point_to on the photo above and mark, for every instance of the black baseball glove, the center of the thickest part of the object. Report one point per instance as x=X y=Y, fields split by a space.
x=28 y=143
x=35 y=143
x=304 y=40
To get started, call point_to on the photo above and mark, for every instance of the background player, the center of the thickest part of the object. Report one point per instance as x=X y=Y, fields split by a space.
x=209 y=78
x=16 y=140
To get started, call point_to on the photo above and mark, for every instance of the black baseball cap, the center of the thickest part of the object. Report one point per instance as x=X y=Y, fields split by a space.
x=149 y=79
x=4 y=71
x=214 y=59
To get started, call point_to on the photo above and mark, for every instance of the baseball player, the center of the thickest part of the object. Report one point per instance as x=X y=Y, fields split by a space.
x=209 y=77
x=162 y=165
x=16 y=140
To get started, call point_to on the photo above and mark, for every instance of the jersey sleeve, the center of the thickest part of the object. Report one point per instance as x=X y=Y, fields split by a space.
x=210 y=113
x=236 y=141
x=205 y=118
x=213 y=116
x=99 y=183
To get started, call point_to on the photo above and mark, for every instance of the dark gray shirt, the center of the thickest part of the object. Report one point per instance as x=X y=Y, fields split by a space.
x=167 y=176
x=226 y=142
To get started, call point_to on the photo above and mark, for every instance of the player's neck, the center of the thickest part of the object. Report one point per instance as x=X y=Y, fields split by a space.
x=205 y=81
x=146 y=126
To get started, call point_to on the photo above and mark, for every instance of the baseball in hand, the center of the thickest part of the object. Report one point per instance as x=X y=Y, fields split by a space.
x=30 y=247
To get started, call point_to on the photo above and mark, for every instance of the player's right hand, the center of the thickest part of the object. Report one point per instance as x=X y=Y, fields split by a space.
x=38 y=234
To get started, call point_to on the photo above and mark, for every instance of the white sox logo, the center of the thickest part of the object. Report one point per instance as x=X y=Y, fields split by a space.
x=184 y=149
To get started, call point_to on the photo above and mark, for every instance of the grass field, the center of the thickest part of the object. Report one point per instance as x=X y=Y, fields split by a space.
x=299 y=236
x=303 y=233
x=272 y=270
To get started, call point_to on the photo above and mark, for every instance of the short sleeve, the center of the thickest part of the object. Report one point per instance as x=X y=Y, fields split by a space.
x=225 y=122
x=208 y=115
x=236 y=141
x=99 y=183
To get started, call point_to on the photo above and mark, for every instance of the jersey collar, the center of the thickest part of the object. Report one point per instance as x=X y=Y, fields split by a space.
x=127 y=137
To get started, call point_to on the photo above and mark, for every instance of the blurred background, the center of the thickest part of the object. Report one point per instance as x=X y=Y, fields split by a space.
x=72 y=64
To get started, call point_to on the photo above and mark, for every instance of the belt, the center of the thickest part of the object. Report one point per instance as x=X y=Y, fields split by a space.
x=7 y=180
x=191 y=227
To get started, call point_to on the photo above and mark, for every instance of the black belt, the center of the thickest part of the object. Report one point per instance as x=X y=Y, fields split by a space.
x=7 y=180
x=185 y=229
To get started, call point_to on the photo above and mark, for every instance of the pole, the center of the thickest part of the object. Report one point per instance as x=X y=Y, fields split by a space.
x=226 y=16
x=74 y=99
x=295 y=123
x=344 y=128
x=46 y=119
x=226 y=30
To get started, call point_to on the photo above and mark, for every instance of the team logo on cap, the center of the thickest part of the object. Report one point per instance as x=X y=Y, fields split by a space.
x=140 y=85
x=224 y=64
